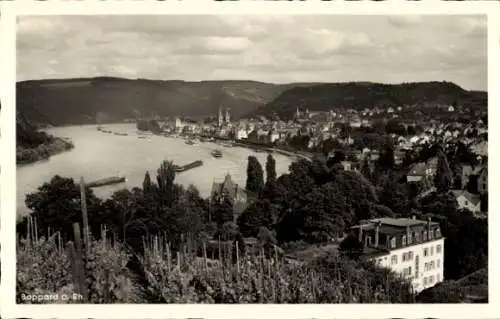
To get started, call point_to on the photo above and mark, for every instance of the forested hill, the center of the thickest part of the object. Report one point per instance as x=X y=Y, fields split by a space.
x=77 y=101
x=360 y=95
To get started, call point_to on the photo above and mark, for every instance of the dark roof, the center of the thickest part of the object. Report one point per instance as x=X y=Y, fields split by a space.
x=391 y=226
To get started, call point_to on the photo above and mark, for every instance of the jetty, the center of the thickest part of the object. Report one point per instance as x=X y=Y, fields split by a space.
x=189 y=166
x=106 y=181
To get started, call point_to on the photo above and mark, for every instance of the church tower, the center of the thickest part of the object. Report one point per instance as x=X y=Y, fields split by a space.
x=227 y=117
x=220 y=119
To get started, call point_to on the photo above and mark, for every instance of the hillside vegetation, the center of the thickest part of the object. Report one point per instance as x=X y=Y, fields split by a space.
x=33 y=145
x=77 y=101
x=361 y=95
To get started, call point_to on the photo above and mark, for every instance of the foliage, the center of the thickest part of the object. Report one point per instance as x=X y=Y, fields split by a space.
x=444 y=176
x=255 y=176
x=270 y=169
x=56 y=205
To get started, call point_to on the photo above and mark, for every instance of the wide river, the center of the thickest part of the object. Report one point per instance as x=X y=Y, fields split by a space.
x=98 y=155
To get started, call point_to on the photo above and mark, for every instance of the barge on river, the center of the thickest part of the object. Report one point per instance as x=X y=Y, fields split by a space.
x=189 y=166
x=106 y=181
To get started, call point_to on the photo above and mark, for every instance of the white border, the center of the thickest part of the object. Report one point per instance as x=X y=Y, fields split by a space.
x=9 y=10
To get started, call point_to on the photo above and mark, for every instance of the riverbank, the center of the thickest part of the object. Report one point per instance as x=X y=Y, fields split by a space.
x=25 y=156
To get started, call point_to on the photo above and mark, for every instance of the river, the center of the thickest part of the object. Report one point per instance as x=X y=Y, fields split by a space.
x=98 y=155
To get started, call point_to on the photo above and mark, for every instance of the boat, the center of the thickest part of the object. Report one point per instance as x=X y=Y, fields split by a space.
x=120 y=134
x=216 y=153
x=143 y=137
x=107 y=181
x=189 y=142
x=226 y=144
x=188 y=166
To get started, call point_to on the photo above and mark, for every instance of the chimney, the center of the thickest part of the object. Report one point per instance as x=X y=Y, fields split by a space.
x=408 y=240
x=429 y=227
x=360 y=233
x=377 y=230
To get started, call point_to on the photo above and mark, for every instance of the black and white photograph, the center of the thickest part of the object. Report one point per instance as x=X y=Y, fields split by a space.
x=252 y=159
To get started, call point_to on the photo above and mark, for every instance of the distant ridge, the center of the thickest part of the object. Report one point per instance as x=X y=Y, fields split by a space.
x=78 y=100
x=361 y=95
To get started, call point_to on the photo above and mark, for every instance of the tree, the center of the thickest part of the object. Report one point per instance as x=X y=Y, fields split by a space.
x=56 y=204
x=165 y=178
x=270 y=169
x=365 y=169
x=444 y=176
x=255 y=176
x=351 y=247
x=223 y=211
x=394 y=195
x=147 y=185
x=386 y=159
x=259 y=214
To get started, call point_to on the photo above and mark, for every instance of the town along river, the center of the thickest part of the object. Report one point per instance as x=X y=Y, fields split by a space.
x=99 y=155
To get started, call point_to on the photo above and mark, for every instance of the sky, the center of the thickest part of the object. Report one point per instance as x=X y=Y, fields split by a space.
x=276 y=49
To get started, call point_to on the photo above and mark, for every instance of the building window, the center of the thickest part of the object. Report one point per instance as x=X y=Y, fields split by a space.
x=393 y=242
x=432 y=250
x=426 y=266
x=417 y=237
x=410 y=238
x=410 y=255
x=431 y=265
x=404 y=240
x=438 y=249
x=431 y=279
x=394 y=260
x=438 y=232
x=426 y=252
x=425 y=281
x=368 y=240
x=403 y=257
x=424 y=237
x=430 y=234
x=438 y=278
x=438 y=263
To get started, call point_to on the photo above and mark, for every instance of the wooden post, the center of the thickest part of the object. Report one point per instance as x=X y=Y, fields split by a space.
x=29 y=230
x=78 y=262
x=36 y=230
x=83 y=198
x=205 y=263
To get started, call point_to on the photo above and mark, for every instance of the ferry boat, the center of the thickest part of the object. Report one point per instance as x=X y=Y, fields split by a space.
x=216 y=153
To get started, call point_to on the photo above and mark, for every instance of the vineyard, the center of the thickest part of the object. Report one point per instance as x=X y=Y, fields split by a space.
x=106 y=271
x=103 y=269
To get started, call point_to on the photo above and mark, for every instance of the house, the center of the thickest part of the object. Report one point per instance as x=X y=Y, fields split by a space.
x=413 y=248
x=229 y=189
x=482 y=181
x=416 y=173
x=467 y=200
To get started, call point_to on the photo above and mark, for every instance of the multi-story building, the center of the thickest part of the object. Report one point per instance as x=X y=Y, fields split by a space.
x=413 y=248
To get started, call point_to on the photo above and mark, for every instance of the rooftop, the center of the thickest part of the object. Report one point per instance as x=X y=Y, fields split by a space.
x=388 y=223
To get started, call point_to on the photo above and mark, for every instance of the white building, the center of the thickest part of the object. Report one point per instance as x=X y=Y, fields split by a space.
x=413 y=248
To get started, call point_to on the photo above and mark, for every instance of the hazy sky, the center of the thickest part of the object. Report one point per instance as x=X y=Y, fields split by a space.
x=264 y=48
